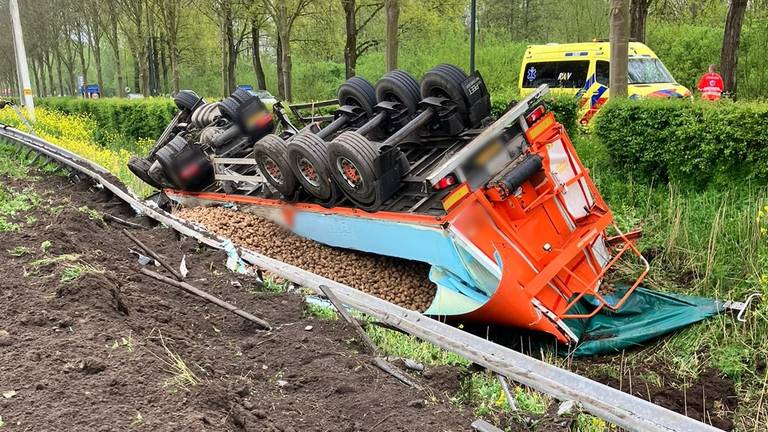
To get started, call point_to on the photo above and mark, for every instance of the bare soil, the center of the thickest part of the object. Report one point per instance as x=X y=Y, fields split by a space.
x=98 y=352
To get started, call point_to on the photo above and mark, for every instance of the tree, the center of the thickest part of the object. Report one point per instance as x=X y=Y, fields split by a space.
x=729 y=54
x=284 y=14
x=353 y=49
x=638 y=15
x=169 y=12
x=134 y=28
x=393 y=14
x=257 y=22
x=619 y=41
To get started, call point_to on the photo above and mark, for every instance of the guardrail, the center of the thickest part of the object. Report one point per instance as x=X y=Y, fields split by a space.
x=613 y=405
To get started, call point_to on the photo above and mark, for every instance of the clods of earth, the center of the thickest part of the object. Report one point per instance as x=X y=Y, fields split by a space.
x=89 y=343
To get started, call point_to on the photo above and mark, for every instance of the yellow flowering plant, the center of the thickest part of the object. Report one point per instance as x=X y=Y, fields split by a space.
x=76 y=134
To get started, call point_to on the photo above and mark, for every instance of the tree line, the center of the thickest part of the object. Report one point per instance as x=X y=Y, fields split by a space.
x=154 y=46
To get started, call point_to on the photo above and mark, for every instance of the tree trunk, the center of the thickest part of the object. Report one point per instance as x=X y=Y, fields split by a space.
x=729 y=55
x=115 y=43
x=174 y=57
x=97 y=60
x=258 y=68
x=61 y=80
x=393 y=15
x=287 y=65
x=638 y=15
x=51 y=81
x=136 y=75
x=279 y=66
x=83 y=66
x=619 y=42
x=164 y=66
x=350 y=47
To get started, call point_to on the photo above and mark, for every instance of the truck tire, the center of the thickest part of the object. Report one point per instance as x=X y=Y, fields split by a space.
x=241 y=95
x=308 y=158
x=447 y=81
x=187 y=100
x=271 y=153
x=399 y=86
x=357 y=91
x=352 y=163
x=139 y=166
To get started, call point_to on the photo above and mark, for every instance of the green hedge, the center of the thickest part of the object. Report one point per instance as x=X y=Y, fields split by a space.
x=692 y=143
x=147 y=118
x=564 y=107
x=132 y=118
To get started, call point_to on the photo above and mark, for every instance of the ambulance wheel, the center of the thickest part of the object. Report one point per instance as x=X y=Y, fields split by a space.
x=308 y=158
x=358 y=92
x=399 y=86
x=352 y=158
x=447 y=81
x=139 y=166
x=187 y=100
x=271 y=154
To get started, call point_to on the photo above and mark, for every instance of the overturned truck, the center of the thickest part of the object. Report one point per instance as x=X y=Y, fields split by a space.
x=502 y=209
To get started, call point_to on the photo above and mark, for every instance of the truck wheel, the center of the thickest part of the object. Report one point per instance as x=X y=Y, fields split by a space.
x=228 y=108
x=271 y=154
x=446 y=81
x=357 y=91
x=308 y=158
x=187 y=100
x=399 y=86
x=139 y=166
x=352 y=159
x=241 y=95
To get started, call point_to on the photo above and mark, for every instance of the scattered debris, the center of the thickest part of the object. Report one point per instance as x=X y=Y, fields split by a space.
x=9 y=394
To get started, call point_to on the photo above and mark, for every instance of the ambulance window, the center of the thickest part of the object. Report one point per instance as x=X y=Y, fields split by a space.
x=563 y=74
x=602 y=69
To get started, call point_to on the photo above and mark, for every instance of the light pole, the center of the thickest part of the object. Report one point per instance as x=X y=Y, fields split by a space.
x=21 y=59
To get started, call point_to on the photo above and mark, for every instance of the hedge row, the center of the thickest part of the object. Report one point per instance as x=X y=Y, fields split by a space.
x=132 y=118
x=564 y=107
x=693 y=143
x=147 y=118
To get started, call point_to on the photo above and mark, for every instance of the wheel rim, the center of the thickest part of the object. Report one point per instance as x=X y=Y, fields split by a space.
x=273 y=169
x=308 y=171
x=349 y=172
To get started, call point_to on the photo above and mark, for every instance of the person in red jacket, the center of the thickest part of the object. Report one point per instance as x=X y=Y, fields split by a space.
x=711 y=85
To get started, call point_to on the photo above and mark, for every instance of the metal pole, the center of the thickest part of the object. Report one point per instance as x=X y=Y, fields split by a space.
x=472 y=29
x=21 y=58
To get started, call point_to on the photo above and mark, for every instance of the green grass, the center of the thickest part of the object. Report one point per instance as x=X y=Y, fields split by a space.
x=13 y=202
x=709 y=243
x=18 y=251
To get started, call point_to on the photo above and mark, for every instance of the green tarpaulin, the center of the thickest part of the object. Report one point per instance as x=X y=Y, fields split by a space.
x=647 y=314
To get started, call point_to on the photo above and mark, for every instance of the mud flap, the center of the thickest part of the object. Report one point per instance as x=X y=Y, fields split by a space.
x=647 y=314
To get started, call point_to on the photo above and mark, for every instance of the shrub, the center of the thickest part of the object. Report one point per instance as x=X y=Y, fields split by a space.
x=564 y=107
x=132 y=118
x=691 y=143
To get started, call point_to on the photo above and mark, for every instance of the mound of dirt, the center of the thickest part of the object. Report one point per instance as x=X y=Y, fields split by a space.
x=88 y=343
x=402 y=282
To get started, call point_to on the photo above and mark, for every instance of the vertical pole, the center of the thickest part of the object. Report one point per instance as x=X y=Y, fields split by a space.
x=21 y=58
x=472 y=30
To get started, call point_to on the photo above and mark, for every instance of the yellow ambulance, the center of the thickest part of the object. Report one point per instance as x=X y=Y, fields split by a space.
x=581 y=70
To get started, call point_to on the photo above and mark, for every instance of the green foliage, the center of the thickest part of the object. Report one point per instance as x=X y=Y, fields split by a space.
x=691 y=143
x=564 y=107
x=132 y=118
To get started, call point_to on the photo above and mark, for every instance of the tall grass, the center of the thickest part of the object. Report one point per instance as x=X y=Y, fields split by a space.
x=708 y=243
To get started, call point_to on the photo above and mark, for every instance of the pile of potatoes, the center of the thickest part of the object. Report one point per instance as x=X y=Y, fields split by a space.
x=399 y=281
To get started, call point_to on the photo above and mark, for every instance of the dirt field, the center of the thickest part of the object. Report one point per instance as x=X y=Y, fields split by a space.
x=87 y=343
